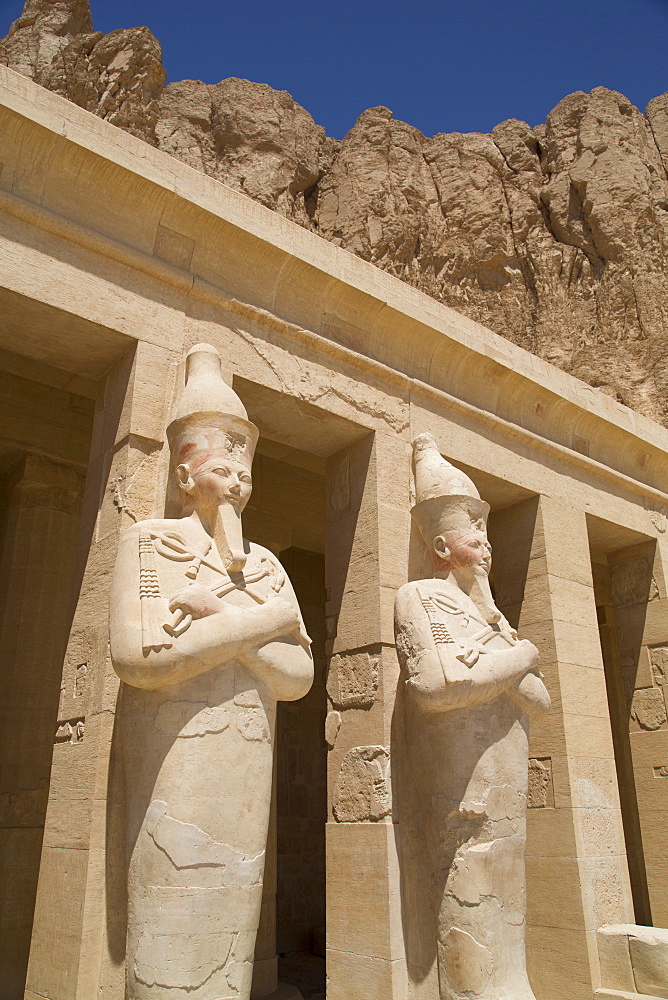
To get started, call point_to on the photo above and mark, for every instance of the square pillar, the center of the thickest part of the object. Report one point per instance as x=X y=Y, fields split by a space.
x=577 y=872
x=366 y=562
x=79 y=929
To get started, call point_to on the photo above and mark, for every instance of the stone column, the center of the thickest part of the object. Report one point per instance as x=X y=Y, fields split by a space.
x=42 y=500
x=366 y=562
x=577 y=874
x=79 y=929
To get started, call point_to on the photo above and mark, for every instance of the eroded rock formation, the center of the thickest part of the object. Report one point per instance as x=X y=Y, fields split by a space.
x=555 y=237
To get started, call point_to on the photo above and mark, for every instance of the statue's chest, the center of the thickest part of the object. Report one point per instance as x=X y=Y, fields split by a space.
x=455 y=621
x=181 y=561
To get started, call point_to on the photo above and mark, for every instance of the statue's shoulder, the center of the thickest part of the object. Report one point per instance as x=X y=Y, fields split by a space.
x=409 y=594
x=418 y=587
x=260 y=552
x=421 y=594
x=268 y=563
x=154 y=525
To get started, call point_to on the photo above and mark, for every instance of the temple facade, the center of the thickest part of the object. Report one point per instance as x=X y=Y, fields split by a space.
x=115 y=261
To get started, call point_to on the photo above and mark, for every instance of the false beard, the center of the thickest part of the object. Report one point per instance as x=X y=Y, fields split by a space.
x=481 y=595
x=227 y=534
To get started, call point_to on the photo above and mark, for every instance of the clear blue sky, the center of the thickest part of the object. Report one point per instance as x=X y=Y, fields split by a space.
x=440 y=65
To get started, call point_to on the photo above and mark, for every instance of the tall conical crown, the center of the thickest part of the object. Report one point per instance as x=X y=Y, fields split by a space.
x=209 y=419
x=446 y=498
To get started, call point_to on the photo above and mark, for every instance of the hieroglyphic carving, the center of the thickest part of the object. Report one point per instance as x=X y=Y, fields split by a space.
x=25 y=807
x=80 y=676
x=120 y=500
x=339 y=492
x=173 y=247
x=331 y=626
x=540 y=793
x=632 y=582
x=170 y=545
x=659 y=520
x=352 y=680
x=363 y=792
x=70 y=731
x=153 y=607
x=658 y=657
x=191 y=719
x=648 y=708
x=645 y=676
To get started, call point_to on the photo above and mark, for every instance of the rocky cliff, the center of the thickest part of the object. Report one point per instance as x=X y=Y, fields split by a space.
x=555 y=237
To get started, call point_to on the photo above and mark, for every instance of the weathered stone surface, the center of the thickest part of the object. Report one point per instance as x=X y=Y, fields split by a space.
x=658 y=656
x=554 y=237
x=648 y=708
x=352 y=680
x=632 y=582
x=363 y=792
x=541 y=793
x=634 y=958
x=251 y=137
x=118 y=76
x=332 y=727
x=469 y=963
x=649 y=956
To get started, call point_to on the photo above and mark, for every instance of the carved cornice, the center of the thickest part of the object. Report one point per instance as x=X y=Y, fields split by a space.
x=290 y=281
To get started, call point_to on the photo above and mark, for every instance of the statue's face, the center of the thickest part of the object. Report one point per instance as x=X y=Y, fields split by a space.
x=465 y=549
x=469 y=548
x=215 y=482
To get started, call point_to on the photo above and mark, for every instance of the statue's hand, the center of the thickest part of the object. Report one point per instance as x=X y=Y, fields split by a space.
x=529 y=654
x=196 y=600
x=285 y=615
x=531 y=689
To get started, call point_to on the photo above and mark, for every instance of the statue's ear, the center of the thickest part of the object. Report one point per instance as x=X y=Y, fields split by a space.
x=441 y=549
x=186 y=481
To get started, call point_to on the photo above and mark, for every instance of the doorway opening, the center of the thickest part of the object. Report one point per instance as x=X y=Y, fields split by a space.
x=286 y=514
x=625 y=573
x=301 y=789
